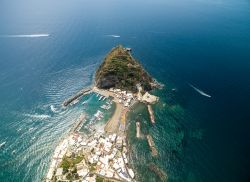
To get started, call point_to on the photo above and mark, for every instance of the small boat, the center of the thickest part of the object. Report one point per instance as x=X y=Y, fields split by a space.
x=75 y=102
x=84 y=102
x=103 y=106
x=2 y=144
x=100 y=98
x=13 y=152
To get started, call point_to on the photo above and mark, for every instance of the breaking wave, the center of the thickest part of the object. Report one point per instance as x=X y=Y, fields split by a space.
x=115 y=36
x=53 y=109
x=38 y=116
x=25 y=36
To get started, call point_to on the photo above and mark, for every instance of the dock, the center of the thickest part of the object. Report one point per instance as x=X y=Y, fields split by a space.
x=77 y=96
x=78 y=124
x=152 y=145
x=151 y=113
x=138 y=132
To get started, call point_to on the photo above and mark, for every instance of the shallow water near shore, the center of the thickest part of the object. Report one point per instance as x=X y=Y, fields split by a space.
x=198 y=42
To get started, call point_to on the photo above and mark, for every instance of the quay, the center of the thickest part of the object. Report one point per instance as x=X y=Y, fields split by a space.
x=77 y=95
x=138 y=132
x=151 y=113
x=78 y=124
x=152 y=145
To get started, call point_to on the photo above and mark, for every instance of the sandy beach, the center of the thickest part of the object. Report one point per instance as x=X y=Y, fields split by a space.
x=113 y=124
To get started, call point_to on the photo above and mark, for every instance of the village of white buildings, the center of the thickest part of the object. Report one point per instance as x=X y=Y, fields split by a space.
x=99 y=155
x=103 y=154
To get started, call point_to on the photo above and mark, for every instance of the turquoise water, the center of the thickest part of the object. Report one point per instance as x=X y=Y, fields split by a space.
x=200 y=42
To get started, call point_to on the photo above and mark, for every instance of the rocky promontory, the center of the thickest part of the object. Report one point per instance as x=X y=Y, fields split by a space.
x=120 y=70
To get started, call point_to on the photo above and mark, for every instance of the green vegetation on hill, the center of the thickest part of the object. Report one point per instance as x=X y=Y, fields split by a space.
x=69 y=166
x=120 y=70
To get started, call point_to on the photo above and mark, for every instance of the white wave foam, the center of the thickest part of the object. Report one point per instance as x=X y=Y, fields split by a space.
x=115 y=36
x=25 y=36
x=38 y=116
x=53 y=109
x=199 y=91
x=31 y=129
x=2 y=144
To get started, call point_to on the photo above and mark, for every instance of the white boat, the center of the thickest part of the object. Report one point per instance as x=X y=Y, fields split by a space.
x=84 y=102
x=2 y=144
x=100 y=98
x=104 y=106
x=75 y=102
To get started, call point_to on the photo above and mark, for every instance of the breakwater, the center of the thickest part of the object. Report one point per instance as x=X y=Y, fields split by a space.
x=78 y=124
x=151 y=113
x=159 y=172
x=138 y=132
x=152 y=145
x=77 y=95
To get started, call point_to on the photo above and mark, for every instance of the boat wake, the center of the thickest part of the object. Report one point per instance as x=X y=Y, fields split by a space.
x=2 y=144
x=115 y=36
x=199 y=91
x=25 y=36
x=38 y=116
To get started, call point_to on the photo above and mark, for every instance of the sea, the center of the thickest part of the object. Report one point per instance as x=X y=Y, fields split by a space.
x=199 y=50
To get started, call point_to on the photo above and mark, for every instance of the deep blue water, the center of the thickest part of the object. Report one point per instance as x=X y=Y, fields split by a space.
x=202 y=42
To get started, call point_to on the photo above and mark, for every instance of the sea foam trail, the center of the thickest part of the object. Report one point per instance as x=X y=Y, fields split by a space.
x=25 y=36
x=199 y=91
x=115 y=36
x=53 y=109
x=38 y=116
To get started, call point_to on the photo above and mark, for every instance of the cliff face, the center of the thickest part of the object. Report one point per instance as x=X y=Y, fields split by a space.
x=120 y=70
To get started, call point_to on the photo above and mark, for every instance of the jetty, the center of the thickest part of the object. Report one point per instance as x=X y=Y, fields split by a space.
x=152 y=145
x=151 y=113
x=78 y=124
x=138 y=132
x=77 y=96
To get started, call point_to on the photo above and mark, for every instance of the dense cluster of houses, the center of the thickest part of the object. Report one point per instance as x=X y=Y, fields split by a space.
x=104 y=156
x=124 y=97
